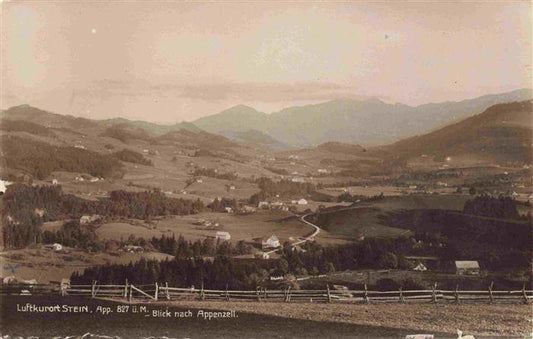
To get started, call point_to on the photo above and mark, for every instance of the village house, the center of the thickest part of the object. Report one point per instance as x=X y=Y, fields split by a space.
x=271 y=242
x=262 y=204
x=262 y=255
x=229 y=210
x=467 y=267
x=322 y=171
x=3 y=186
x=133 y=249
x=55 y=182
x=302 y=202
x=298 y=179
x=277 y=205
x=420 y=267
x=87 y=219
x=224 y=236
x=247 y=209
x=54 y=247
x=40 y=212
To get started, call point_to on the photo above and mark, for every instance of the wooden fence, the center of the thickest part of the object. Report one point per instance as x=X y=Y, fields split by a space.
x=158 y=291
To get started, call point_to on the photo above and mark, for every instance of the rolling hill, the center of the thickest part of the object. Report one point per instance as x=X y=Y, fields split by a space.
x=502 y=133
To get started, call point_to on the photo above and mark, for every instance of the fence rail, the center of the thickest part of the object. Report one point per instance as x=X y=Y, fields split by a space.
x=160 y=291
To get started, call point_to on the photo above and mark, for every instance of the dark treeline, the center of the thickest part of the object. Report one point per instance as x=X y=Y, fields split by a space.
x=219 y=205
x=133 y=157
x=283 y=188
x=41 y=159
x=72 y=234
x=347 y=197
x=183 y=249
x=280 y=171
x=186 y=271
x=25 y=208
x=220 y=273
x=484 y=205
x=213 y=173
x=496 y=244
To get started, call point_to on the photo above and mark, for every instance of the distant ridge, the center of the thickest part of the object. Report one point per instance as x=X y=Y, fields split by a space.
x=365 y=122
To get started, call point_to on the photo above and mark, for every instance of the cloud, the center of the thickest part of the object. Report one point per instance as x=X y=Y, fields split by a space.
x=214 y=92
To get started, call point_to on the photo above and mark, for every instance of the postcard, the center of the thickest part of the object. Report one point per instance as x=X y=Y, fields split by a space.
x=257 y=169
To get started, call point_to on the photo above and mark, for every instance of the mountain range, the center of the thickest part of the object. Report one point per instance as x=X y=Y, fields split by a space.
x=366 y=122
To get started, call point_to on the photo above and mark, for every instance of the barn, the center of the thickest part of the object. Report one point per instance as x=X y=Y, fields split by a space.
x=467 y=267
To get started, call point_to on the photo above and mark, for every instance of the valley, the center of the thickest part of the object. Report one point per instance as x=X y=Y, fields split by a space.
x=217 y=194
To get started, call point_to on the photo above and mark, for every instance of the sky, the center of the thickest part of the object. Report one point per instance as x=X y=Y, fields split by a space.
x=168 y=62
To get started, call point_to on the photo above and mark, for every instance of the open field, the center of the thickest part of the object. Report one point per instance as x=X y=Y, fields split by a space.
x=486 y=320
x=240 y=227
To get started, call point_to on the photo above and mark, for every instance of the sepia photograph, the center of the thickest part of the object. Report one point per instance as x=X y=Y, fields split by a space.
x=266 y=169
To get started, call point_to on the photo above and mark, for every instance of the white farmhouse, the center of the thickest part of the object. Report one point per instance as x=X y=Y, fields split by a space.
x=272 y=242
x=224 y=236
x=3 y=186
x=302 y=202
x=262 y=204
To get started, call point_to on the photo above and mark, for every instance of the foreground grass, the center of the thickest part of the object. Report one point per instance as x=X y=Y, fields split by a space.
x=485 y=320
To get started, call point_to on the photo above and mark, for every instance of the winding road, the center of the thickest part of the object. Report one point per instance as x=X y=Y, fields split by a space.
x=308 y=238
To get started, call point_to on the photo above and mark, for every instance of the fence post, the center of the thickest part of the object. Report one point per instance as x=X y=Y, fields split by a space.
x=490 y=292
x=131 y=293
x=329 y=294
x=166 y=289
x=367 y=299
x=401 y=300
x=126 y=289
x=457 y=293
x=524 y=292
x=227 y=294
x=202 y=293
x=156 y=291
x=93 y=289
x=289 y=295
x=434 y=293
x=265 y=294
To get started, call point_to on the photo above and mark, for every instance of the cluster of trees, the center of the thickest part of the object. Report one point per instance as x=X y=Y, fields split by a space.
x=280 y=171
x=132 y=156
x=183 y=249
x=26 y=207
x=125 y=132
x=283 y=188
x=370 y=253
x=495 y=243
x=40 y=159
x=347 y=197
x=186 y=269
x=72 y=234
x=219 y=205
x=220 y=273
x=484 y=205
x=213 y=173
